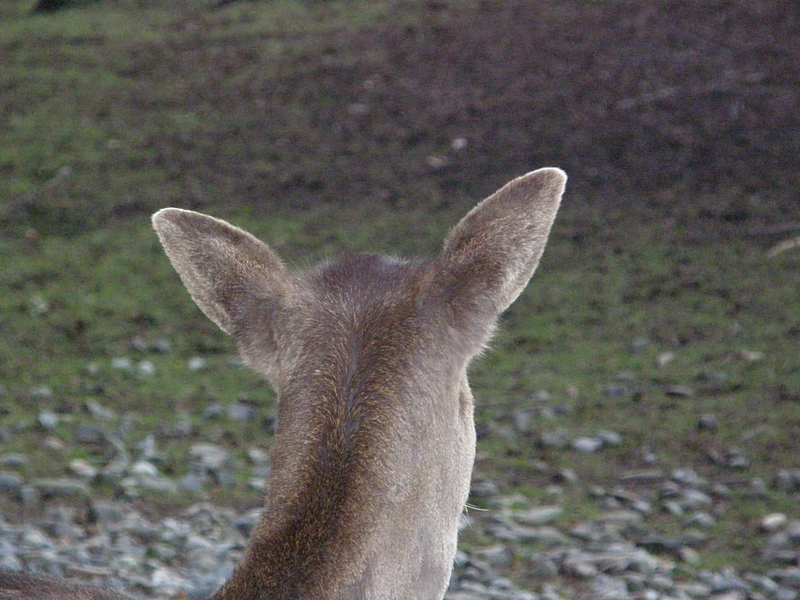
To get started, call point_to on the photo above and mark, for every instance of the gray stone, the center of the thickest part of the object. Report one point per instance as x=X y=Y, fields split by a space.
x=241 y=411
x=10 y=483
x=789 y=577
x=495 y=556
x=784 y=593
x=701 y=519
x=554 y=439
x=587 y=445
x=537 y=516
x=693 y=499
x=210 y=456
x=89 y=434
x=686 y=476
x=774 y=522
x=605 y=587
x=48 y=419
x=143 y=468
x=522 y=421
x=13 y=460
x=609 y=438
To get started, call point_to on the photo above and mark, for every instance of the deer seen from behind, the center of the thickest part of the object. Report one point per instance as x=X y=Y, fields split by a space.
x=373 y=453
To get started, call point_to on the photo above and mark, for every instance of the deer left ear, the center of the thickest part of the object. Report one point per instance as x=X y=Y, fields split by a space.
x=492 y=253
x=222 y=266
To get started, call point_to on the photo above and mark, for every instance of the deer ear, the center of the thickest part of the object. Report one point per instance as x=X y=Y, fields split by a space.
x=492 y=253
x=223 y=267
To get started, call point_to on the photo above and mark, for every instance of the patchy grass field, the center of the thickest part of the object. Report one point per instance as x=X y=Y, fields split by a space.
x=323 y=126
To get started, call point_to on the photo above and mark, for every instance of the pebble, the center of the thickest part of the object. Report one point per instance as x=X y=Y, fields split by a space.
x=587 y=445
x=774 y=522
x=13 y=460
x=617 y=554
x=197 y=364
x=10 y=483
x=554 y=439
x=538 y=516
x=48 y=419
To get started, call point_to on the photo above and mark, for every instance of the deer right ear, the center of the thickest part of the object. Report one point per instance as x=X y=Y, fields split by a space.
x=492 y=253
x=223 y=267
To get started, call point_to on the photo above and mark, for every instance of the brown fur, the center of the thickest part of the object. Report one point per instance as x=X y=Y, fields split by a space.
x=375 y=442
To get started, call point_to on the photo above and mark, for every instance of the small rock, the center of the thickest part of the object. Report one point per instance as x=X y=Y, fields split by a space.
x=496 y=556
x=554 y=439
x=89 y=434
x=194 y=481
x=690 y=556
x=701 y=519
x=13 y=460
x=98 y=411
x=258 y=456
x=605 y=587
x=10 y=483
x=484 y=489
x=241 y=411
x=35 y=539
x=83 y=469
x=784 y=593
x=522 y=421
x=686 y=476
x=215 y=410
x=665 y=358
x=787 y=480
x=587 y=445
x=29 y=496
x=161 y=346
x=730 y=595
x=693 y=498
x=578 y=568
x=694 y=590
x=543 y=568
x=123 y=363
x=609 y=438
x=793 y=531
x=682 y=391
x=707 y=423
x=751 y=356
x=789 y=576
x=143 y=468
x=41 y=392
x=48 y=419
x=147 y=368
x=210 y=456
x=197 y=364
x=538 y=516
x=566 y=476
x=773 y=522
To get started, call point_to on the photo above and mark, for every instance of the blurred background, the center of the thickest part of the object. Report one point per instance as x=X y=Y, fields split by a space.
x=639 y=413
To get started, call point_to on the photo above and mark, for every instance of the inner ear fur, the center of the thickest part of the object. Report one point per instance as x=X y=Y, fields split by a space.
x=222 y=266
x=492 y=253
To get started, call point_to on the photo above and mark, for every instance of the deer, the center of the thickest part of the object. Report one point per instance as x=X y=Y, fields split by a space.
x=375 y=443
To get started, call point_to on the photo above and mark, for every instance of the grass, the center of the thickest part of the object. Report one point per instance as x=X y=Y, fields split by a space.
x=112 y=111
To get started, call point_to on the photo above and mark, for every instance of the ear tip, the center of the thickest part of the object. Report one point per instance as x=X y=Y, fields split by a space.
x=167 y=217
x=548 y=176
x=164 y=216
